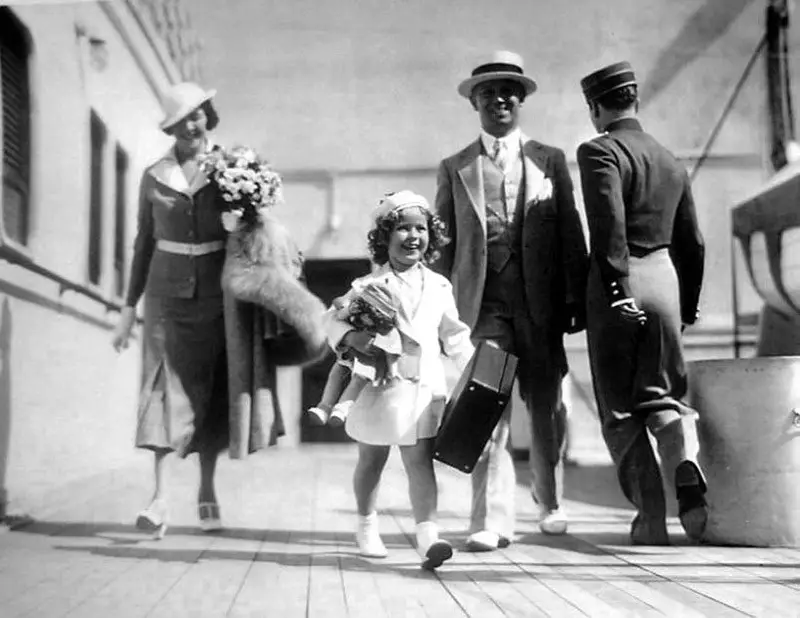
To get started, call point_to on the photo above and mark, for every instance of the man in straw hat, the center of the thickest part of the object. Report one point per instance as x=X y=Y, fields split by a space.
x=644 y=287
x=518 y=268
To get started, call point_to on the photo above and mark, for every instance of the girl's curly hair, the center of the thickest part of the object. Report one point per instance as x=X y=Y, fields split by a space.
x=378 y=237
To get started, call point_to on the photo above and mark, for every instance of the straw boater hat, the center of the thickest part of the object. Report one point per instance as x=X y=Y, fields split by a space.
x=608 y=79
x=180 y=100
x=501 y=65
x=399 y=201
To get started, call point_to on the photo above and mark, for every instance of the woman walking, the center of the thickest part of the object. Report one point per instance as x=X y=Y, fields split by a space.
x=177 y=264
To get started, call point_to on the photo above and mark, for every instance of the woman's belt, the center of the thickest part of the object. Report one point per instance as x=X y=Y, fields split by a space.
x=189 y=248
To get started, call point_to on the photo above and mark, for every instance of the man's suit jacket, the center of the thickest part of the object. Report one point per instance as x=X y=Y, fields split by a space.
x=638 y=199
x=550 y=237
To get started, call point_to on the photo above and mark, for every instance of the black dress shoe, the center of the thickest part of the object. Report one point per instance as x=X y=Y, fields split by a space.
x=690 y=490
x=649 y=531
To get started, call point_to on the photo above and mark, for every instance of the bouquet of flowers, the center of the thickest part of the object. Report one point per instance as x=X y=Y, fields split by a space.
x=245 y=181
x=372 y=310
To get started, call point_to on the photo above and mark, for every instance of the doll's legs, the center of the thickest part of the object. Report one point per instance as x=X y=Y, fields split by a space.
x=334 y=385
x=366 y=479
x=342 y=407
x=423 y=492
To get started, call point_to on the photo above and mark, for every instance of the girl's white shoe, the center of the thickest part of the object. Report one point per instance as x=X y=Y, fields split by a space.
x=368 y=539
x=433 y=550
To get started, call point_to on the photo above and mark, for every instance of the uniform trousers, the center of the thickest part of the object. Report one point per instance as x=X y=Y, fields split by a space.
x=640 y=381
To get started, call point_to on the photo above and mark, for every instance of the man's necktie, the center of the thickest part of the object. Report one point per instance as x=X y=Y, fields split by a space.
x=500 y=155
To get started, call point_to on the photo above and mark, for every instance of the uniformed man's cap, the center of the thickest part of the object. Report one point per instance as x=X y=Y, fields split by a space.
x=608 y=79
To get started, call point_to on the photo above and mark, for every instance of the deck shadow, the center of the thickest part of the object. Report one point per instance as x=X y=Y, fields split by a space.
x=127 y=534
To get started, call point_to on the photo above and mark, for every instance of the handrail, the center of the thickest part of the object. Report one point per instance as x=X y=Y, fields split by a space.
x=65 y=285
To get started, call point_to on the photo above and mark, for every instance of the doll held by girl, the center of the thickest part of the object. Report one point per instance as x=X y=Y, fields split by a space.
x=371 y=309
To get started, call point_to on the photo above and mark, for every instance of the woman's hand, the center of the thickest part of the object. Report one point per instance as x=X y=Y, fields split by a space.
x=122 y=333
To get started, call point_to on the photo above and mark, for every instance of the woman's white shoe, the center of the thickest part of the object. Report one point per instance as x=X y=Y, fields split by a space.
x=153 y=519
x=210 y=519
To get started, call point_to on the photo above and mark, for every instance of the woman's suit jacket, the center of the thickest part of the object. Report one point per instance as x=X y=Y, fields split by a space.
x=171 y=209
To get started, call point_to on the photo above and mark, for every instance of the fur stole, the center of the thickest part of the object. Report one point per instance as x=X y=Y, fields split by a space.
x=264 y=267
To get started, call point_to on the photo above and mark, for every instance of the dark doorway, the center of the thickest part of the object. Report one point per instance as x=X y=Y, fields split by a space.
x=327 y=279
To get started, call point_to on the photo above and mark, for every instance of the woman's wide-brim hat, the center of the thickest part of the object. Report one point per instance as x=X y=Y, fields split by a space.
x=501 y=65
x=608 y=79
x=181 y=100
x=400 y=200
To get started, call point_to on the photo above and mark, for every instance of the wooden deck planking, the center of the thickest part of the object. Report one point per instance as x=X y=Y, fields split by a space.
x=572 y=592
x=403 y=588
x=446 y=592
x=326 y=594
x=507 y=586
x=288 y=550
x=359 y=584
x=276 y=582
x=63 y=586
x=603 y=564
x=593 y=578
x=136 y=592
x=765 y=564
x=451 y=590
x=727 y=586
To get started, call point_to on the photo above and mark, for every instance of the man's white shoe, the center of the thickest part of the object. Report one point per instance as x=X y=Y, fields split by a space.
x=553 y=521
x=368 y=539
x=485 y=540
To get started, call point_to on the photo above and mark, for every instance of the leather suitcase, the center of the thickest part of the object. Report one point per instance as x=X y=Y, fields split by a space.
x=475 y=406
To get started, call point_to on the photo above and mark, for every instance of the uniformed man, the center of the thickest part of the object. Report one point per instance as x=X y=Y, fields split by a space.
x=646 y=271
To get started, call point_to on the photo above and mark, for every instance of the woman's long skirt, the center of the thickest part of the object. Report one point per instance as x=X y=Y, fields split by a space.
x=183 y=405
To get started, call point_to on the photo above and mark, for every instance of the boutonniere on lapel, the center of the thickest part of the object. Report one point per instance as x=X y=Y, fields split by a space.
x=545 y=191
x=246 y=182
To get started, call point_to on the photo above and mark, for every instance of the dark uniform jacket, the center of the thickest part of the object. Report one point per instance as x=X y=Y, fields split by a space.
x=170 y=209
x=638 y=199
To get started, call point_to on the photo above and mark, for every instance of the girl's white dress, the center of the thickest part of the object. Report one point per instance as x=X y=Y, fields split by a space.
x=405 y=410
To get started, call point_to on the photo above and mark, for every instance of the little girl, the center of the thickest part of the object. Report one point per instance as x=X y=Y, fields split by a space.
x=405 y=411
